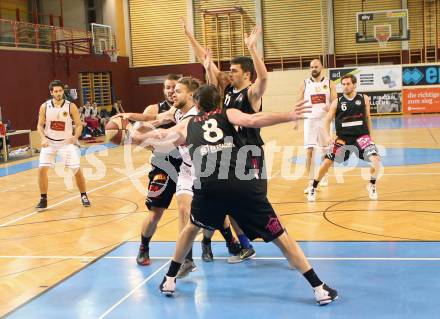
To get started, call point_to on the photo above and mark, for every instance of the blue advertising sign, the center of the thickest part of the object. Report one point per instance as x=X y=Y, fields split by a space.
x=421 y=75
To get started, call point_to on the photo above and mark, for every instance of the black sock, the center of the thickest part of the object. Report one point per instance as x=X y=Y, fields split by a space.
x=315 y=183
x=174 y=268
x=206 y=240
x=145 y=241
x=43 y=196
x=189 y=255
x=312 y=278
x=227 y=234
x=83 y=194
x=373 y=181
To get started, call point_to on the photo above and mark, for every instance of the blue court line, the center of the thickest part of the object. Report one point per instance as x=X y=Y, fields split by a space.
x=259 y=288
x=390 y=157
x=18 y=168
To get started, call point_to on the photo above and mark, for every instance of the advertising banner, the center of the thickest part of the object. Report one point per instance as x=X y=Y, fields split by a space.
x=421 y=100
x=384 y=102
x=414 y=75
x=370 y=78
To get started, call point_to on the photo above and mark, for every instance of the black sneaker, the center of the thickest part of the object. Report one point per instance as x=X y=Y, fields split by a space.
x=143 y=257
x=168 y=286
x=234 y=247
x=325 y=295
x=42 y=205
x=85 y=201
x=207 y=252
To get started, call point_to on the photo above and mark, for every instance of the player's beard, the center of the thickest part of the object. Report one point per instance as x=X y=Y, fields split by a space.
x=179 y=104
x=348 y=92
x=316 y=74
x=58 y=98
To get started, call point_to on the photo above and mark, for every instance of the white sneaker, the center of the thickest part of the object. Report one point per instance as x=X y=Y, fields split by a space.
x=311 y=196
x=372 y=193
x=307 y=189
x=325 y=295
x=168 y=286
x=324 y=181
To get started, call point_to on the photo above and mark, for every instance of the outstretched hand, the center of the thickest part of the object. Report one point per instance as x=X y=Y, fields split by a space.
x=165 y=118
x=251 y=39
x=300 y=110
x=183 y=24
x=208 y=59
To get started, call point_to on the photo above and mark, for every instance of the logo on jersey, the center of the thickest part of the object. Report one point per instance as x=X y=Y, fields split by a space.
x=325 y=87
x=358 y=102
x=57 y=126
x=317 y=98
x=65 y=114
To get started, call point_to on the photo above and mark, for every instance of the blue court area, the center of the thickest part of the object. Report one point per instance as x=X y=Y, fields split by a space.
x=374 y=280
x=17 y=168
x=389 y=156
x=407 y=122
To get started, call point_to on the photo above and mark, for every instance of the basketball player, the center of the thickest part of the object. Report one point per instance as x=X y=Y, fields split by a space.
x=320 y=92
x=162 y=185
x=219 y=187
x=241 y=93
x=58 y=137
x=351 y=113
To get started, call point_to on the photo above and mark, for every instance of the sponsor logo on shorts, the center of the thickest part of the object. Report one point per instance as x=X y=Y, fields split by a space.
x=273 y=226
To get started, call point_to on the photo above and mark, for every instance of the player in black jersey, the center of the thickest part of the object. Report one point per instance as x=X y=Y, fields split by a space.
x=241 y=93
x=351 y=113
x=162 y=181
x=225 y=181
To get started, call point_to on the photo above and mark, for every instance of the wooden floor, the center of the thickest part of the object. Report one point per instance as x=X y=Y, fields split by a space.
x=37 y=250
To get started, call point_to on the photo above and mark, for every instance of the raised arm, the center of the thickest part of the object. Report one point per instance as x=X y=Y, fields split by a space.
x=257 y=89
x=263 y=119
x=221 y=80
x=210 y=73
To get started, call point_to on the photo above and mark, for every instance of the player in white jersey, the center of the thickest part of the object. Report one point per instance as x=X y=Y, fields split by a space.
x=319 y=91
x=55 y=126
x=182 y=111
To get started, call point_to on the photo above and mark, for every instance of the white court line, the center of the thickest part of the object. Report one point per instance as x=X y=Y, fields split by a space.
x=66 y=200
x=133 y=290
x=224 y=258
x=398 y=174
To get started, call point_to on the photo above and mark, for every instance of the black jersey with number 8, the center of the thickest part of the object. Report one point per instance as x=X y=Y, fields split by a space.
x=214 y=147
